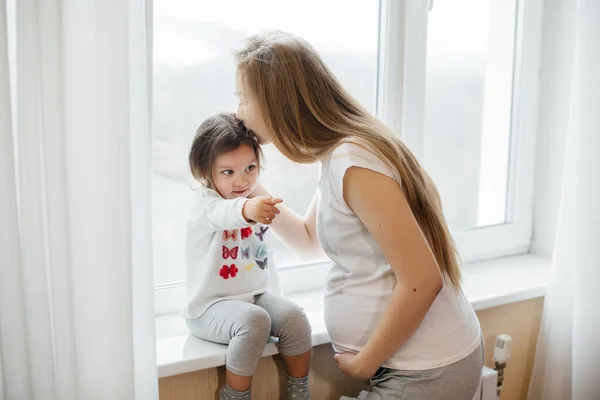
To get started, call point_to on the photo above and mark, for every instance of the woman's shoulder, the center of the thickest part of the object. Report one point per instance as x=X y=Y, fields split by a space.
x=357 y=153
x=353 y=147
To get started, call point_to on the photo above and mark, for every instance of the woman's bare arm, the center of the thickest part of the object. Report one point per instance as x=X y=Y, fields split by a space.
x=391 y=222
x=295 y=231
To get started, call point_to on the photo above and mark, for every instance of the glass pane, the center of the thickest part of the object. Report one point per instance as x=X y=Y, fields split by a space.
x=468 y=105
x=194 y=77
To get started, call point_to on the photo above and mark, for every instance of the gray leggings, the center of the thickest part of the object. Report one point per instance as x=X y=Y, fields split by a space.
x=457 y=381
x=247 y=327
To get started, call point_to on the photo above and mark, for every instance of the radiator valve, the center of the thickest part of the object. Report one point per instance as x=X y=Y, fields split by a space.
x=501 y=357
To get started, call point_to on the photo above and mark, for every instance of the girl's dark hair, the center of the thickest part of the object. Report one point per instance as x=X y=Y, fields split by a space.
x=218 y=134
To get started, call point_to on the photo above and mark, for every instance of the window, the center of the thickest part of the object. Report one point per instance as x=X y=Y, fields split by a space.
x=479 y=119
x=468 y=102
x=467 y=95
x=194 y=71
x=458 y=83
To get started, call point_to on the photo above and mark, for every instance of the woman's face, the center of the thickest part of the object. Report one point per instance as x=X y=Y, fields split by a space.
x=248 y=111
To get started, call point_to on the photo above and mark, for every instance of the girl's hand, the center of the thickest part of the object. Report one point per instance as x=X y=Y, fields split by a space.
x=261 y=209
x=352 y=366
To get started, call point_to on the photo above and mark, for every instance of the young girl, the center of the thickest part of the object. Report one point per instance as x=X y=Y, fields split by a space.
x=394 y=309
x=228 y=264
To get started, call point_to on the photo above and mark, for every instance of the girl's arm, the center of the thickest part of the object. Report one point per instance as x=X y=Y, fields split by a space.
x=215 y=213
x=296 y=232
x=390 y=220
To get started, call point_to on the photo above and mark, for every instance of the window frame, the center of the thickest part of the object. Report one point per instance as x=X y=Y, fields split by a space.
x=404 y=47
x=515 y=235
x=401 y=86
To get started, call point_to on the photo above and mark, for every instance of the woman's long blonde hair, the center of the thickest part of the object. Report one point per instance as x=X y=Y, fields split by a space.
x=308 y=114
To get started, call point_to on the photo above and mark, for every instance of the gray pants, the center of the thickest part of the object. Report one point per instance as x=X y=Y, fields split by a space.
x=457 y=381
x=247 y=327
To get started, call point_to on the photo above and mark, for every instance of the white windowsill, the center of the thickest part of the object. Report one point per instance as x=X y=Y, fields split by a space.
x=486 y=284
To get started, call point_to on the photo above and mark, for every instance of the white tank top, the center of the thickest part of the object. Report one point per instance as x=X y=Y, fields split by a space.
x=359 y=285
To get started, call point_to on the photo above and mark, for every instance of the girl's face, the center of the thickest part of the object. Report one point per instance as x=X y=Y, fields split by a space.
x=235 y=174
x=248 y=111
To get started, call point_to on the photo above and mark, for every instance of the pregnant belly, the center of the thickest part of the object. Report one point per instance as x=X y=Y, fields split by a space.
x=350 y=320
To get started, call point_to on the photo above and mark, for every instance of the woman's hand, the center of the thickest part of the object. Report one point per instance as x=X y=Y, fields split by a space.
x=351 y=365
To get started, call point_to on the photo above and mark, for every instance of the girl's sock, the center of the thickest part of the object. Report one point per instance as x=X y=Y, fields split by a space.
x=297 y=388
x=227 y=393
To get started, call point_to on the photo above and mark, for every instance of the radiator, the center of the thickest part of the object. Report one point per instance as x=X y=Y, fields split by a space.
x=487 y=385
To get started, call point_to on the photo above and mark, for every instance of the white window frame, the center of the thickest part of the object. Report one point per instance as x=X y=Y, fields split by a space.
x=401 y=86
x=515 y=236
x=404 y=39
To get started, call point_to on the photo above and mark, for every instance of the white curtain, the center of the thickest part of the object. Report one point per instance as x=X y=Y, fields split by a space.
x=76 y=300
x=568 y=354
